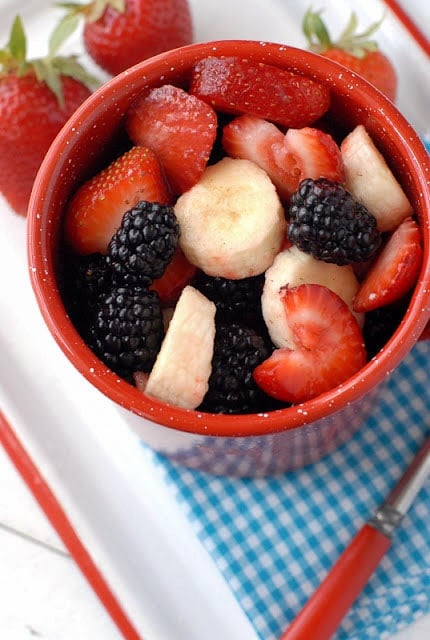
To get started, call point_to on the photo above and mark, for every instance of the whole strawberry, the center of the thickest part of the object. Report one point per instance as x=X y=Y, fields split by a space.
x=119 y=33
x=353 y=50
x=36 y=99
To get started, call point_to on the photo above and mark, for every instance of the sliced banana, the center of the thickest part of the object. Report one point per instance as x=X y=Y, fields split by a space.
x=293 y=267
x=232 y=221
x=370 y=180
x=181 y=371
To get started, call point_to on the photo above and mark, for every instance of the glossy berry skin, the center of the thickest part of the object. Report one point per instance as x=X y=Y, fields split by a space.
x=232 y=389
x=128 y=330
x=375 y=67
x=328 y=223
x=143 y=246
x=287 y=158
x=239 y=86
x=30 y=117
x=117 y=40
x=179 y=128
x=235 y=300
x=98 y=206
x=394 y=271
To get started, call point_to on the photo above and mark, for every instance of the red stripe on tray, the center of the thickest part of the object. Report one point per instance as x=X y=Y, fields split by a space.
x=410 y=25
x=58 y=518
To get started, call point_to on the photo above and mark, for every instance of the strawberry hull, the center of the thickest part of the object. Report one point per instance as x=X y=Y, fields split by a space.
x=251 y=444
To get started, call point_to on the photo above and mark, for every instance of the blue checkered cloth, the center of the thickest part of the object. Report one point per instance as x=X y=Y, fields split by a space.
x=274 y=539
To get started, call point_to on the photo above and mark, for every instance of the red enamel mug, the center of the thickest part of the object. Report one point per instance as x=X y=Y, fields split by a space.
x=241 y=445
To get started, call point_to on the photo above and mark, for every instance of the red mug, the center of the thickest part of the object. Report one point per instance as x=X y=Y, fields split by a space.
x=242 y=445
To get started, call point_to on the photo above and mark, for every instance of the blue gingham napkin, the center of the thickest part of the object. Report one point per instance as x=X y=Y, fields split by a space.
x=274 y=539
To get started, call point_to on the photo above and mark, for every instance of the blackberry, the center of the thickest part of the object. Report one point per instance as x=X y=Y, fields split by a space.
x=83 y=281
x=235 y=300
x=143 y=246
x=237 y=351
x=327 y=222
x=128 y=330
x=380 y=324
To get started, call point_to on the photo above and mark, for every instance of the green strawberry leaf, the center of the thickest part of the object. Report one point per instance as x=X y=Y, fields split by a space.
x=69 y=66
x=357 y=44
x=17 y=44
x=50 y=68
x=13 y=55
x=62 y=32
x=45 y=72
x=315 y=31
x=69 y=5
x=93 y=10
x=350 y=28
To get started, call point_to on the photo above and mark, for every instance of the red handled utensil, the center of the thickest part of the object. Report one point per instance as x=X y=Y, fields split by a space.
x=324 y=611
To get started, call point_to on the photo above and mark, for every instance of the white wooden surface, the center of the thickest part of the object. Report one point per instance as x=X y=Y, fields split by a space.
x=43 y=594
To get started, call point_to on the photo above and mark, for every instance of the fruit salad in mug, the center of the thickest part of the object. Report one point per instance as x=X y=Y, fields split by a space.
x=240 y=253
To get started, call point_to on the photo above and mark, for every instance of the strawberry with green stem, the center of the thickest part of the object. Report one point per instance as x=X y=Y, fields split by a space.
x=37 y=97
x=120 y=33
x=356 y=51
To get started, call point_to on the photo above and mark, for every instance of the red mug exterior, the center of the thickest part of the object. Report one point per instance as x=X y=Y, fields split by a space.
x=242 y=445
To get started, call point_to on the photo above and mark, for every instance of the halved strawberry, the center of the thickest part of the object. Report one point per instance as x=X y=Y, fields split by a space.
x=256 y=139
x=179 y=128
x=328 y=346
x=287 y=159
x=394 y=271
x=179 y=272
x=317 y=154
x=236 y=85
x=96 y=210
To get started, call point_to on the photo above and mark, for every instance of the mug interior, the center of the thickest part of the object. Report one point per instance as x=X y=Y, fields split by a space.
x=90 y=139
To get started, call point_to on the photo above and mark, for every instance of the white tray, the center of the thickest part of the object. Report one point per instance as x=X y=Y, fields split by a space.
x=103 y=494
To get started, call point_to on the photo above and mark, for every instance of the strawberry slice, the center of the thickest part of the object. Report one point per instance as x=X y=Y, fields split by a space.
x=96 y=210
x=236 y=85
x=179 y=272
x=256 y=139
x=317 y=154
x=287 y=159
x=394 y=271
x=179 y=128
x=329 y=346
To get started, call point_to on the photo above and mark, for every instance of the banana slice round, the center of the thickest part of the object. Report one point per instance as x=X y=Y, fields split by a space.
x=232 y=221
